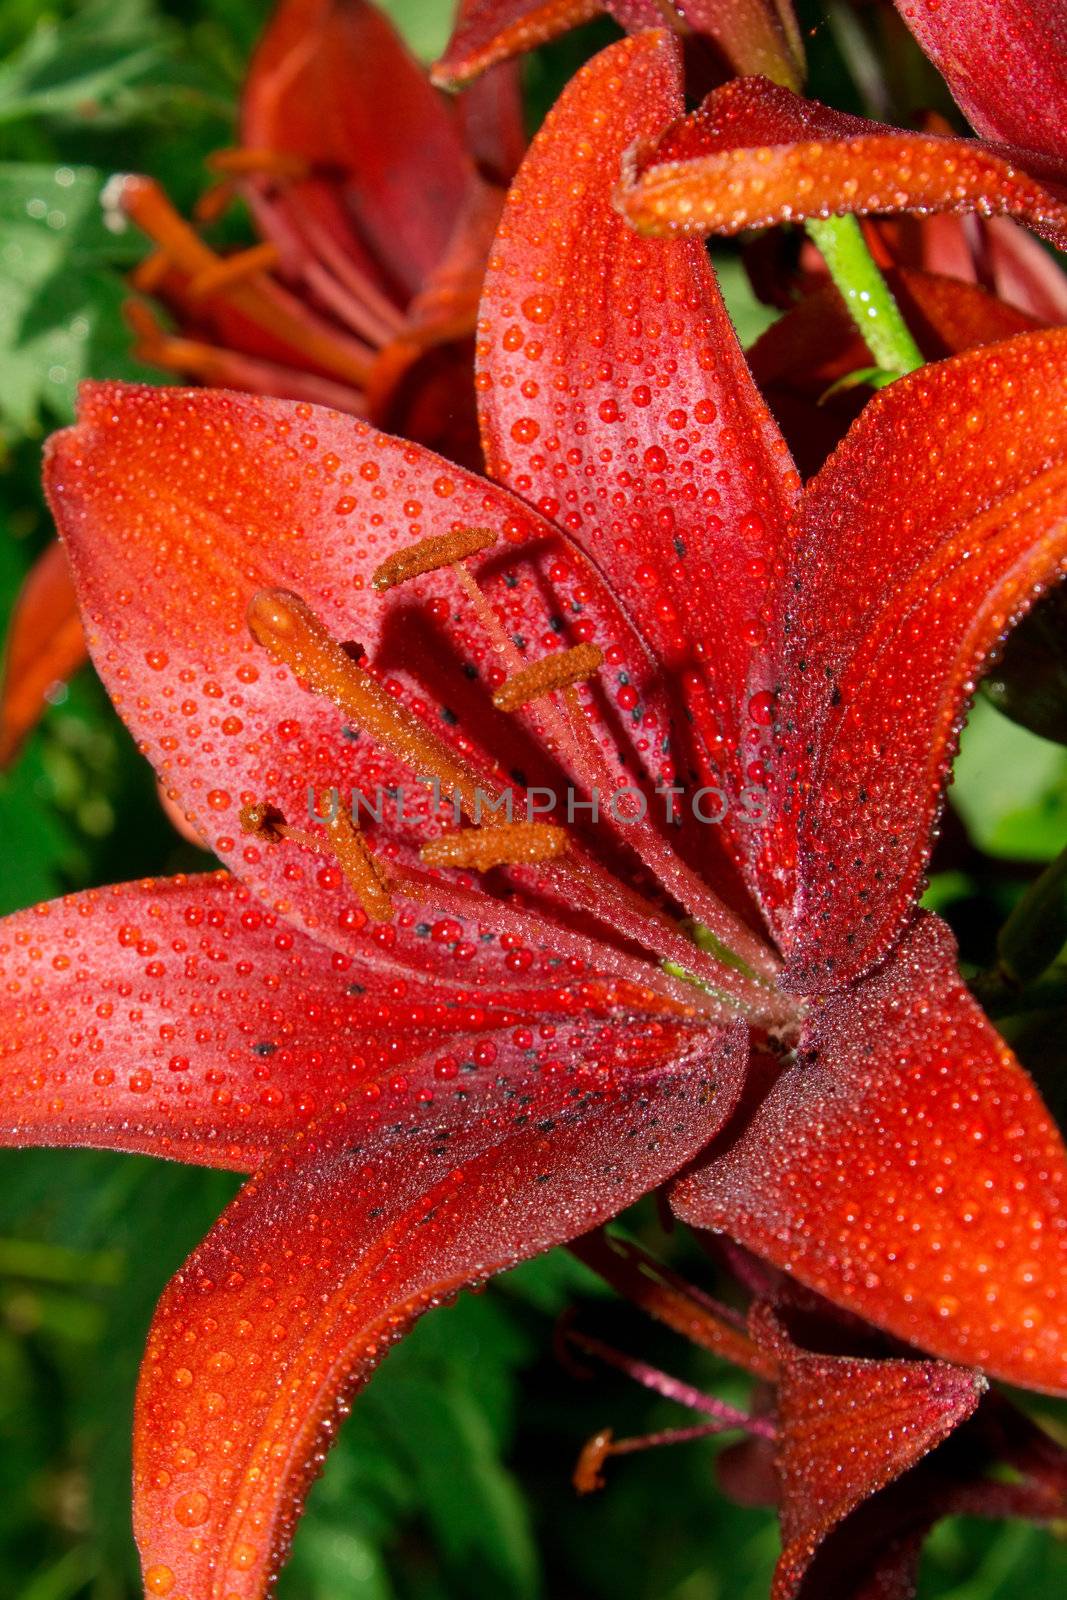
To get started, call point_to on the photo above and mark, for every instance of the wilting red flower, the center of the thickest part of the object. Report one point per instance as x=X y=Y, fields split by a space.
x=435 y=1065
x=745 y=35
x=376 y=201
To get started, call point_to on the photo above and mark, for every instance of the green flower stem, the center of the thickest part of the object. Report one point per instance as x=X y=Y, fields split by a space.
x=850 y=264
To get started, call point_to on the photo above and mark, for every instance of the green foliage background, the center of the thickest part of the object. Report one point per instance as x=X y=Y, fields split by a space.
x=452 y=1476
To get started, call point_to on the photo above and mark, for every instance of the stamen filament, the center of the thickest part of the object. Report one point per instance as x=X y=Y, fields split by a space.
x=647 y=1283
x=229 y=369
x=683 y=1394
x=230 y=270
x=740 y=947
x=537 y=926
x=626 y=910
x=263 y=163
x=266 y=304
x=588 y=1474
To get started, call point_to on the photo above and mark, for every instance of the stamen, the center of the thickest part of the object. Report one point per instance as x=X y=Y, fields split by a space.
x=559 y=671
x=266 y=303
x=661 y=1293
x=291 y=633
x=510 y=845
x=361 y=868
x=228 y=369
x=267 y=824
x=230 y=270
x=428 y=555
x=215 y=201
x=588 y=1475
x=684 y=1394
x=265 y=163
x=149 y=273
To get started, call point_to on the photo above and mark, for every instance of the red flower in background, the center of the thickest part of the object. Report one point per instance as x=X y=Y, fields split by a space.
x=741 y=35
x=375 y=200
x=440 y=1052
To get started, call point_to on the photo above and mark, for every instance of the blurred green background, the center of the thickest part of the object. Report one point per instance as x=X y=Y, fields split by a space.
x=452 y=1476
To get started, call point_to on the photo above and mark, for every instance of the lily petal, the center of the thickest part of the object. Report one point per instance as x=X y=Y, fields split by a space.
x=755 y=154
x=181 y=1018
x=178 y=506
x=611 y=374
x=749 y=35
x=1024 y=100
x=333 y=1251
x=488 y=31
x=45 y=646
x=332 y=83
x=926 y=535
x=847 y=1427
x=906 y=1169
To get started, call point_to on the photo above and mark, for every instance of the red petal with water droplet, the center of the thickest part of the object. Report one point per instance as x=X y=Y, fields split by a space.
x=905 y=1167
x=615 y=396
x=330 y=1255
x=45 y=646
x=925 y=536
x=181 y=1018
x=331 y=82
x=488 y=31
x=177 y=506
x=847 y=1428
x=244 y=1030
x=755 y=154
x=1022 y=98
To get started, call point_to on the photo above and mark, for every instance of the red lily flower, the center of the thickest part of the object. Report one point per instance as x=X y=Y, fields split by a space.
x=376 y=201
x=747 y=35
x=435 y=1073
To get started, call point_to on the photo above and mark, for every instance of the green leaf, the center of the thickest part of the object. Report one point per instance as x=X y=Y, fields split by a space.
x=81 y=66
x=1010 y=788
x=60 y=293
x=472 y=1502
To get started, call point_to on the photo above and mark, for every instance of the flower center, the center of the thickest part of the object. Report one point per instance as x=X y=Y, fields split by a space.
x=722 y=969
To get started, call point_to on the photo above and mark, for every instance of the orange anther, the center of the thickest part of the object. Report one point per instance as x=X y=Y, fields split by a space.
x=427 y=555
x=289 y=630
x=551 y=672
x=508 y=845
x=362 y=871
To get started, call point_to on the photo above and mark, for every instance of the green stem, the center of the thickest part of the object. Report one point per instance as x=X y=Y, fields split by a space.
x=850 y=264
